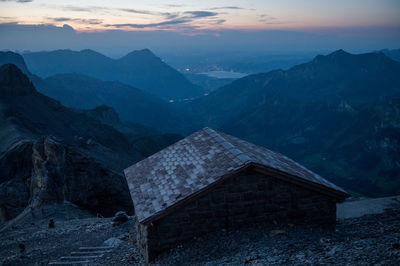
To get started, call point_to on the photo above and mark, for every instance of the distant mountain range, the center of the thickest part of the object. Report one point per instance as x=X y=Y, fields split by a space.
x=338 y=115
x=28 y=114
x=140 y=69
x=36 y=167
x=393 y=54
x=132 y=104
x=332 y=78
x=84 y=92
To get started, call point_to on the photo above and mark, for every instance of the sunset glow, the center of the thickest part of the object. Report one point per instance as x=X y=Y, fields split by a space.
x=194 y=16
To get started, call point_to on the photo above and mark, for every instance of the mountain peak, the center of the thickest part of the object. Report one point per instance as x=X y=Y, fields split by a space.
x=344 y=58
x=90 y=52
x=338 y=54
x=337 y=57
x=13 y=82
x=146 y=53
x=14 y=58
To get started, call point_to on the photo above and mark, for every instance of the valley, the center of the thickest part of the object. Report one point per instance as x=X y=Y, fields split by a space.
x=337 y=114
x=66 y=138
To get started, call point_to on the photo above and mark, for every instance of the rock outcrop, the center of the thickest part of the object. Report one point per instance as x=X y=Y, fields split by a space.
x=61 y=173
x=15 y=170
x=48 y=171
x=81 y=163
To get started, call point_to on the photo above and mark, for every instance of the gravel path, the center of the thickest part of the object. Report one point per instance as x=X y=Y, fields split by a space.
x=367 y=240
x=358 y=208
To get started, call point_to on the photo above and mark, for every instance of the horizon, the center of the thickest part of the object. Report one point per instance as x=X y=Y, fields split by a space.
x=191 y=27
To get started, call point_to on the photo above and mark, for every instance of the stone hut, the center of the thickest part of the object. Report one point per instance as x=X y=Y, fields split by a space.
x=211 y=181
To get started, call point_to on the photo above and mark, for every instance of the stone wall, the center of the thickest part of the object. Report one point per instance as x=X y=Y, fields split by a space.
x=246 y=199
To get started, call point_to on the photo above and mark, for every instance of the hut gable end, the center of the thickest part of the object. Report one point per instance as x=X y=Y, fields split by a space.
x=194 y=165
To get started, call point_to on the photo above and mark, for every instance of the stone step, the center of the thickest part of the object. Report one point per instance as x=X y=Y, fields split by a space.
x=72 y=263
x=96 y=248
x=72 y=258
x=92 y=252
x=84 y=256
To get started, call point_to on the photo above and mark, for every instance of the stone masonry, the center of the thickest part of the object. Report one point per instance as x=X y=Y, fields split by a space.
x=245 y=199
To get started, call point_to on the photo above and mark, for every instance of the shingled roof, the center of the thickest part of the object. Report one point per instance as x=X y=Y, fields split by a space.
x=198 y=161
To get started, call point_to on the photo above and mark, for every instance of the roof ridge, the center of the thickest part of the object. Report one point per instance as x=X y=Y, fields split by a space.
x=238 y=153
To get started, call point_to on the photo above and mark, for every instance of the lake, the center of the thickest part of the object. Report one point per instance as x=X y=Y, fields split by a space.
x=224 y=74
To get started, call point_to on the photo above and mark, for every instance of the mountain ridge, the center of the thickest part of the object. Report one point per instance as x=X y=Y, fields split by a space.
x=308 y=81
x=335 y=114
x=13 y=82
x=85 y=92
x=50 y=153
x=141 y=69
x=132 y=104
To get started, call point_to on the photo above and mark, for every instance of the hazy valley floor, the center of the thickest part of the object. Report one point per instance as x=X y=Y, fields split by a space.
x=371 y=239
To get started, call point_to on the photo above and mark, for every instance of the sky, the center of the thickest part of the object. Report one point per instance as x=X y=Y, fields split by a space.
x=345 y=22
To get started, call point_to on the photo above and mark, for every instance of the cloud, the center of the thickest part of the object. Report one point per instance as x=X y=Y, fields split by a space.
x=266 y=16
x=18 y=1
x=176 y=18
x=79 y=20
x=156 y=19
x=175 y=5
x=172 y=15
x=149 y=25
x=137 y=11
x=8 y=18
x=268 y=19
x=60 y=19
x=93 y=9
x=226 y=7
x=201 y=14
x=167 y=15
x=79 y=8
x=91 y=21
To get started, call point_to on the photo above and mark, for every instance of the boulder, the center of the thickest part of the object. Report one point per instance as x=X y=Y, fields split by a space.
x=120 y=217
x=113 y=242
x=273 y=233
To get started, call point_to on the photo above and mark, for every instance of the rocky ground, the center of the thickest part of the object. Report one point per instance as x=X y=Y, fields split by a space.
x=372 y=239
x=30 y=241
